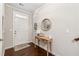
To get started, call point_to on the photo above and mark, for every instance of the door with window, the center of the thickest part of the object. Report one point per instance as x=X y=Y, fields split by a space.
x=20 y=28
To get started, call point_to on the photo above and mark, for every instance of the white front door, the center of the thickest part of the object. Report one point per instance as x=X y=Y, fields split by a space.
x=20 y=28
x=0 y=29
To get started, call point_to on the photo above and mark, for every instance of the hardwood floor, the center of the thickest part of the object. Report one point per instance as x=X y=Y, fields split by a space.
x=29 y=51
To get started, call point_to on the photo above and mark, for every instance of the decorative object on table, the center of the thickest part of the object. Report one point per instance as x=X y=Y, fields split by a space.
x=35 y=26
x=46 y=24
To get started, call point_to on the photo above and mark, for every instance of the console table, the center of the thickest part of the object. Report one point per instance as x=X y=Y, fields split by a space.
x=48 y=41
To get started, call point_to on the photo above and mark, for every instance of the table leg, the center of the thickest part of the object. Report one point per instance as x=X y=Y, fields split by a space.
x=35 y=43
x=51 y=46
x=38 y=42
x=47 y=48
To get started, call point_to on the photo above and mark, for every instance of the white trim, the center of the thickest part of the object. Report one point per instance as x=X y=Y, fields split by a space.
x=9 y=47
x=3 y=14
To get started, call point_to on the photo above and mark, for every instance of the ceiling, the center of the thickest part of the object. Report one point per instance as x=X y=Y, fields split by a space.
x=30 y=7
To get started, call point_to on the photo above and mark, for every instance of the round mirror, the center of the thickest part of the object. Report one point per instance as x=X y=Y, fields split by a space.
x=46 y=25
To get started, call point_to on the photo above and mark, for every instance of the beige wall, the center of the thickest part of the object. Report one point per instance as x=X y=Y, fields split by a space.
x=0 y=21
x=7 y=25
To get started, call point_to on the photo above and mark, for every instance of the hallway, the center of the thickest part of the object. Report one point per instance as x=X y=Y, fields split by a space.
x=52 y=27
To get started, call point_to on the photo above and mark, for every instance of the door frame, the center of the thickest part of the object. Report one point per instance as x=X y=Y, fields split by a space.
x=14 y=11
x=3 y=18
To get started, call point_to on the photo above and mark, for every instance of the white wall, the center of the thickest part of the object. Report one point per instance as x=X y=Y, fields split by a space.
x=0 y=21
x=1 y=6
x=7 y=27
x=65 y=21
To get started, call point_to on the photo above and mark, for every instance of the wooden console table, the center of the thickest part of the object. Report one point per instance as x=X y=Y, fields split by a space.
x=48 y=41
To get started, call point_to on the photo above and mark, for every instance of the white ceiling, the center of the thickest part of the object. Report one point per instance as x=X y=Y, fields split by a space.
x=30 y=7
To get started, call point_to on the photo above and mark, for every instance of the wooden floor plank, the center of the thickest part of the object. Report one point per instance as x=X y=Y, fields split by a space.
x=29 y=51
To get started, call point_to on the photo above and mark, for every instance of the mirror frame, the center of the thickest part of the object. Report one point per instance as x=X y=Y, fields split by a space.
x=46 y=24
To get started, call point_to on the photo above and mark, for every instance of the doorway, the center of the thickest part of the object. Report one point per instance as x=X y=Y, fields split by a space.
x=20 y=30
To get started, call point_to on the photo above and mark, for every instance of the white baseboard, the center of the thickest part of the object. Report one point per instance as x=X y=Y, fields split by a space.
x=8 y=47
x=21 y=46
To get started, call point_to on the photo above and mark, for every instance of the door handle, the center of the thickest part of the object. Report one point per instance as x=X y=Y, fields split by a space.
x=1 y=40
x=14 y=32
